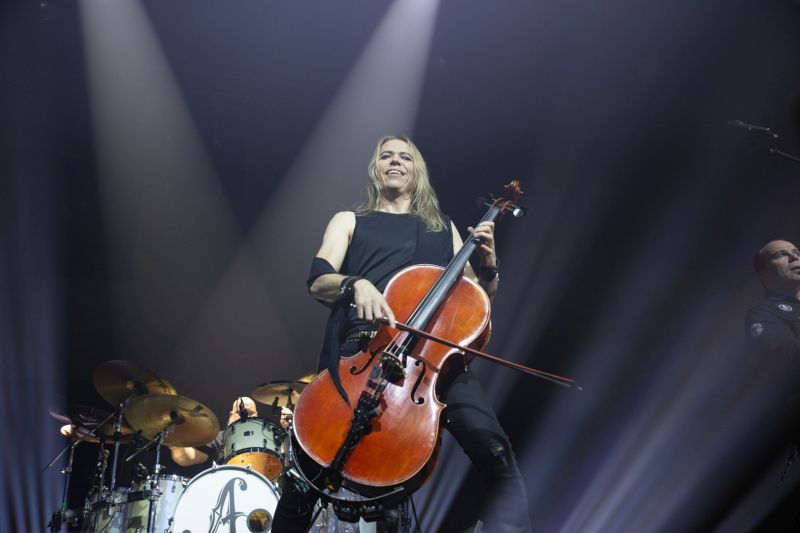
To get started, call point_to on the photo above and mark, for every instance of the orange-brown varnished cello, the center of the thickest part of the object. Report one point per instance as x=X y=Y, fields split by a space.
x=385 y=441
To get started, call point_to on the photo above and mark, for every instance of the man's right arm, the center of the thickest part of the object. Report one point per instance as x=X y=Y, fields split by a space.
x=370 y=303
x=333 y=249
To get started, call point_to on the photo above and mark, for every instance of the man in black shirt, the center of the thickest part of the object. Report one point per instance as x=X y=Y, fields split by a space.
x=400 y=225
x=774 y=323
x=774 y=329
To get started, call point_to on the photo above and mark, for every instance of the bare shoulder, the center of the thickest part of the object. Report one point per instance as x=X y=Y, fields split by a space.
x=343 y=220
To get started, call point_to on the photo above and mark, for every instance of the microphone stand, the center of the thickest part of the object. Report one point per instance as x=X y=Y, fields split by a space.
x=784 y=154
x=764 y=131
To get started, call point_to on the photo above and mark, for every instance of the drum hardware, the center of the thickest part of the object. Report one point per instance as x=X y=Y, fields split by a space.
x=60 y=516
x=168 y=419
x=154 y=493
x=90 y=432
x=86 y=419
x=88 y=428
x=119 y=381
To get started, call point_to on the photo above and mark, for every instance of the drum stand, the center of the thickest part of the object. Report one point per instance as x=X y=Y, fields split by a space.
x=100 y=476
x=59 y=516
x=154 y=491
x=117 y=436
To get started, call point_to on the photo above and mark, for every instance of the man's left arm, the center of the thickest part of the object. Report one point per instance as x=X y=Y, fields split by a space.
x=487 y=277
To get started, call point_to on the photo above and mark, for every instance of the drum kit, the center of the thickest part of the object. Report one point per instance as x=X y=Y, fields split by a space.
x=241 y=494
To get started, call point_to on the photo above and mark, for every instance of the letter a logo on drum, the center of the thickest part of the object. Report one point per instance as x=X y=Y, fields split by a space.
x=217 y=517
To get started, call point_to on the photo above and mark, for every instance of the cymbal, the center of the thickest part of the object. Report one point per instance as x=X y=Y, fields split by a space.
x=287 y=392
x=85 y=418
x=118 y=380
x=195 y=424
x=104 y=434
x=308 y=378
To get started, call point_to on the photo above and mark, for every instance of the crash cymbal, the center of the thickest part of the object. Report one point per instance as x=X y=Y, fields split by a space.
x=195 y=424
x=118 y=380
x=287 y=393
x=85 y=418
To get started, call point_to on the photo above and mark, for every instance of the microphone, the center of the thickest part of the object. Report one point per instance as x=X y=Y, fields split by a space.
x=276 y=410
x=242 y=410
x=753 y=127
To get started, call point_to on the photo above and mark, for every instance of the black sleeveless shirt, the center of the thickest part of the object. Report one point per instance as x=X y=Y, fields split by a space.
x=385 y=243
x=382 y=244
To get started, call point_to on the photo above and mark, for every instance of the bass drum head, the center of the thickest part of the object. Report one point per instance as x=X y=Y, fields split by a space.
x=226 y=498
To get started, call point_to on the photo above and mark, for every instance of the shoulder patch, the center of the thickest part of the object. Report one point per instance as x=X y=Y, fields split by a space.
x=756 y=329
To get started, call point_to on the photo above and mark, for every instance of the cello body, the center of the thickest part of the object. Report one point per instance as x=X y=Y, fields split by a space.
x=400 y=448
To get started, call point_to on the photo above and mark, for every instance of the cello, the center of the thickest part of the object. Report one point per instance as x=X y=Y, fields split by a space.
x=386 y=445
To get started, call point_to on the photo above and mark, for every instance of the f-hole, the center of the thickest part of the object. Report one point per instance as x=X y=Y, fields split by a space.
x=420 y=400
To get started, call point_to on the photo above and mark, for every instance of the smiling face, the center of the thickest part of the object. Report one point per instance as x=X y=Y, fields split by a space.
x=395 y=166
x=781 y=266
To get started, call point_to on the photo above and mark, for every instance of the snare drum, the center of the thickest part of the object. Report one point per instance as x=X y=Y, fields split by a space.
x=254 y=442
x=169 y=487
x=231 y=496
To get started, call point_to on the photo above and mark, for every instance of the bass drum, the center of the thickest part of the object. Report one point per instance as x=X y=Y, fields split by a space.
x=226 y=498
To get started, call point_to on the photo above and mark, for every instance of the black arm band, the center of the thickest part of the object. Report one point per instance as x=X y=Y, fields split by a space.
x=319 y=267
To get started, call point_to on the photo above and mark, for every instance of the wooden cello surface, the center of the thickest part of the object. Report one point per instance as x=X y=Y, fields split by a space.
x=401 y=446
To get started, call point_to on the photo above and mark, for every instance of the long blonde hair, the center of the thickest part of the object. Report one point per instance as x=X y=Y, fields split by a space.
x=424 y=204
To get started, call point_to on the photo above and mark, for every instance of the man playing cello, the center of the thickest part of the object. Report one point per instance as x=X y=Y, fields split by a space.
x=399 y=225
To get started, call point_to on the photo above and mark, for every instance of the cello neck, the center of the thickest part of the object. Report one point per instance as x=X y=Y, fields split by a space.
x=452 y=273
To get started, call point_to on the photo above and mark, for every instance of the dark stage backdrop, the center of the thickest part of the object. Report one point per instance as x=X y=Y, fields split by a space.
x=168 y=169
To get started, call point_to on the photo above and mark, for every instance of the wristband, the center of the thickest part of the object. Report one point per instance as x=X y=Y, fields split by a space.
x=488 y=273
x=346 y=288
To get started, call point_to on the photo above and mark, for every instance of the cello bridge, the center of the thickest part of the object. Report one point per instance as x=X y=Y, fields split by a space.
x=392 y=367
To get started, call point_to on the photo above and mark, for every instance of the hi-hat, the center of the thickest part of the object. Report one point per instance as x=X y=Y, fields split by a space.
x=119 y=380
x=285 y=392
x=86 y=418
x=193 y=424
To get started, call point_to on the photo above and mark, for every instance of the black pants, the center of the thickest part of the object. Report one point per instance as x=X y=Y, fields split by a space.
x=471 y=420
